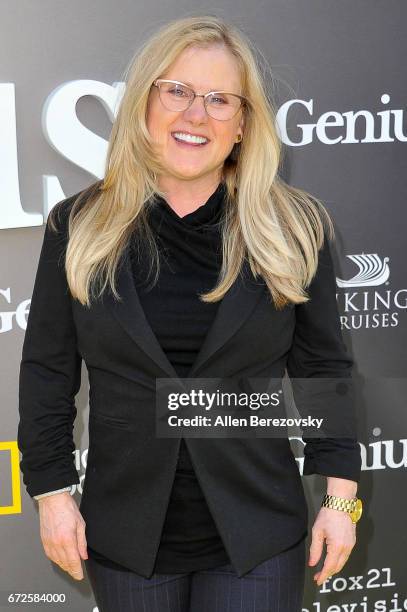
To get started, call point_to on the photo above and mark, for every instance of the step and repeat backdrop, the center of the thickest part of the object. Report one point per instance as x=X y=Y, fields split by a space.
x=340 y=90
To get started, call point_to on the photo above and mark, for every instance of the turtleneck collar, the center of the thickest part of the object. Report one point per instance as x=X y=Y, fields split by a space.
x=207 y=214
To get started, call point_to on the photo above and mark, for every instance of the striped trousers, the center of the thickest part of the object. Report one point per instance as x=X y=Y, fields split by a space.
x=276 y=585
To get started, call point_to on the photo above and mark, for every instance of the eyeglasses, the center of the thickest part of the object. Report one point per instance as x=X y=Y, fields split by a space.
x=220 y=105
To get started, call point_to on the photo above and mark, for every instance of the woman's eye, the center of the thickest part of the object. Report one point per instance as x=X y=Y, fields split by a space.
x=175 y=92
x=218 y=100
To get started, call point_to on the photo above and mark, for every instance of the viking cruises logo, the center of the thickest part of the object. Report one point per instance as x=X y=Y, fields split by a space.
x=372 y=271
x=368 y=301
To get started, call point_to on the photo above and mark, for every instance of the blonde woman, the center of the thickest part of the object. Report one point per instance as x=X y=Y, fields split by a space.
x=243 y=286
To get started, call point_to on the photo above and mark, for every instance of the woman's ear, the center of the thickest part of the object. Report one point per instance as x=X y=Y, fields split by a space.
x=241 y=126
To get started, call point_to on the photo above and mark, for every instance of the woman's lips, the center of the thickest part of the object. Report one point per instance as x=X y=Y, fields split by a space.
x=183 y=143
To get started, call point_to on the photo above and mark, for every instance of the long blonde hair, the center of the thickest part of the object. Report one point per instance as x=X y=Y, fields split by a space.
x=277 y=227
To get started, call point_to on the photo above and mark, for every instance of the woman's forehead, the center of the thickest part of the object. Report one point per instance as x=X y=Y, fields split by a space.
x=205 y=69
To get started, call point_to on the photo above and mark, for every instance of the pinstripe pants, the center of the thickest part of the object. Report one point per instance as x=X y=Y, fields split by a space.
x=276 y=585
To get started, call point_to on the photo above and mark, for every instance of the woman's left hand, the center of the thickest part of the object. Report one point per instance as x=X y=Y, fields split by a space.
x=337 y=528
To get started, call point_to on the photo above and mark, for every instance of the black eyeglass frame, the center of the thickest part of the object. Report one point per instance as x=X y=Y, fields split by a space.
x=244 y=102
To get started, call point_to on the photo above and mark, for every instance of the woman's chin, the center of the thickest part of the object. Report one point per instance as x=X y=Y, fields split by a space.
x=187 y=171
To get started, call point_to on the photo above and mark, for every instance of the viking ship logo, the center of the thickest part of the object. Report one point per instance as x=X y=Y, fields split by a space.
x=373 y=271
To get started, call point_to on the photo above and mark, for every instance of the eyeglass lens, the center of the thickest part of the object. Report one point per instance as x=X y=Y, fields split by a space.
x=219 y=105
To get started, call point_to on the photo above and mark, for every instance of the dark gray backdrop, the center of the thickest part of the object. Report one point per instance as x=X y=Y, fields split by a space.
x=332 y=57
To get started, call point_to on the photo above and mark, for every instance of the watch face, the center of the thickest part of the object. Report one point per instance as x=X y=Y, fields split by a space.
x=357 y=513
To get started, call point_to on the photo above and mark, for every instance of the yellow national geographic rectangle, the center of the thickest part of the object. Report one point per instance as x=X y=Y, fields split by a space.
x=12 y=448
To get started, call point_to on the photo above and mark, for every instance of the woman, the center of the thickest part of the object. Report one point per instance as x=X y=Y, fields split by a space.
x=191 y=183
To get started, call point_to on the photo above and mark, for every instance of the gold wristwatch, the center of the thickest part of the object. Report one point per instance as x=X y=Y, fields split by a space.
x=352 y=506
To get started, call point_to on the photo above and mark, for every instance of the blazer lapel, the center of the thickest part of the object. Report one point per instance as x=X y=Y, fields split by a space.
x=236 y=306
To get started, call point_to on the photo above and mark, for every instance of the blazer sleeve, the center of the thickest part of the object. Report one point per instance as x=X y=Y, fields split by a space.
x=49 y=493
x=50 y=372
x=318 y=350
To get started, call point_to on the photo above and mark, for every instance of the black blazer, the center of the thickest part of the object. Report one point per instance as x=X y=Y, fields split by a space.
x=252 y=485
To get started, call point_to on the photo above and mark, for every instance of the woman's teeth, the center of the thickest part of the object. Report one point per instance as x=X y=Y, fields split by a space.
x=189 y=138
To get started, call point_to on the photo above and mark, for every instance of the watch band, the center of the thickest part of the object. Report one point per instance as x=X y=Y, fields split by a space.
x=352 y=506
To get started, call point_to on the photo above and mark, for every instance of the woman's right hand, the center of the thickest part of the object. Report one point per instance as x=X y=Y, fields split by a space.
x=62 y=531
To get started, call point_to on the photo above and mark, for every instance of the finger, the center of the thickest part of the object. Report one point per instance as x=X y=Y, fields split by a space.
x=330 y=563
x=74 y=568
x=316 y=548
x=81 y=541
x=54 y=555
x=71 y=561
x=344 y=554
x=325 y=574
x=343 y=558
x=76 y=571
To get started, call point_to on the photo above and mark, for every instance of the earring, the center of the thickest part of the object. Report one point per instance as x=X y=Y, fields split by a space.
x=239 y=138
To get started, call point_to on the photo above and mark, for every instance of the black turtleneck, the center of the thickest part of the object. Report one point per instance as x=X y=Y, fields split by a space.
x=190 y=260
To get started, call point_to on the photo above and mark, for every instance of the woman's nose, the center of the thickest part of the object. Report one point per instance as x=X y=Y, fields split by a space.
x=197 y=108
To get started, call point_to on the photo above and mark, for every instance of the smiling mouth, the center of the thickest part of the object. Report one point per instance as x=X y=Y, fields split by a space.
x=189 y=143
